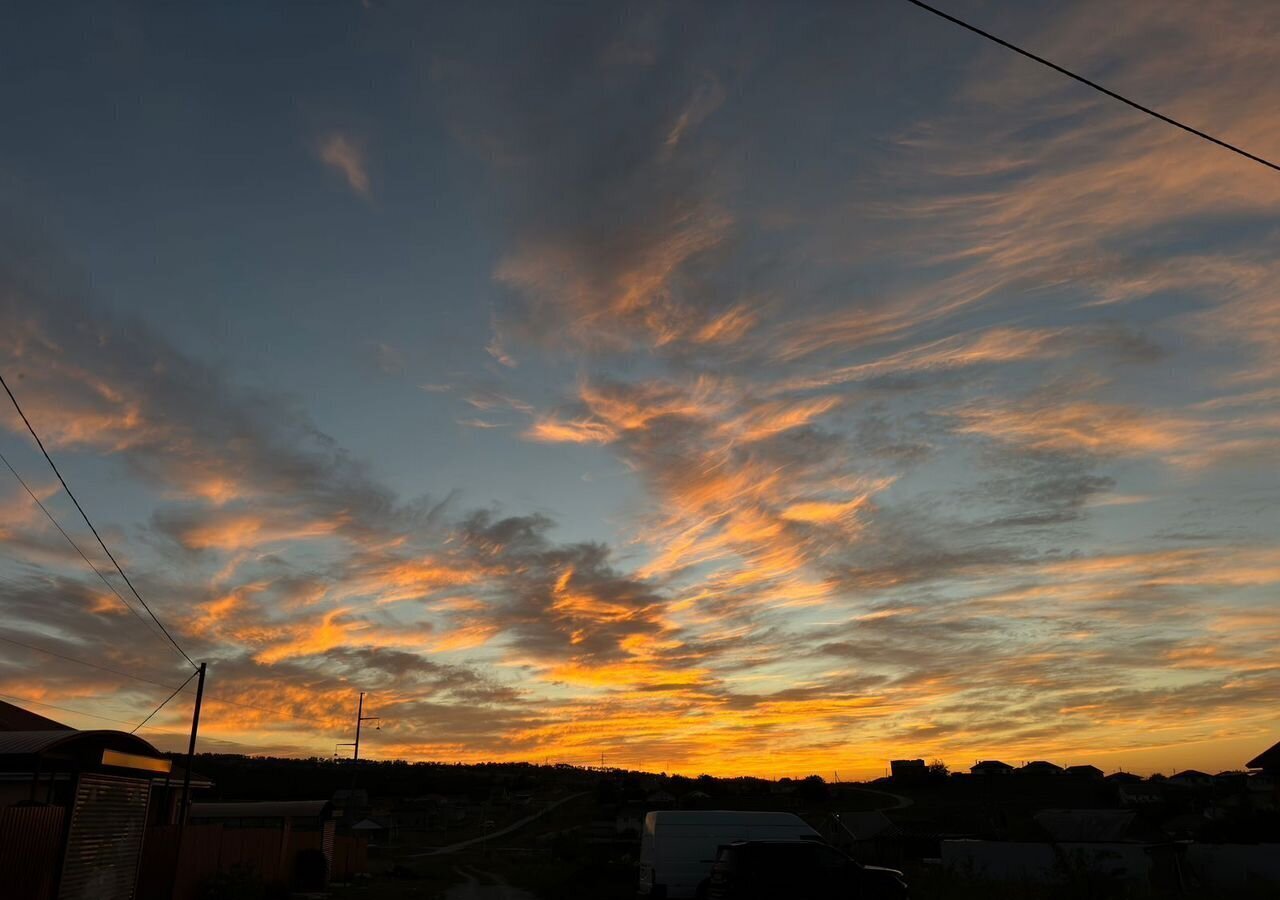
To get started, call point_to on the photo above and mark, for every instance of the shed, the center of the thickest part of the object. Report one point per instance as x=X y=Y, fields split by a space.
x=296 y=825
x=73 y=807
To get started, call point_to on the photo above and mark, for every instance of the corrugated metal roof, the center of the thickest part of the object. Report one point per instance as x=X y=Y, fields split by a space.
x=25 y=743
x=32 y=741
x=270 y=809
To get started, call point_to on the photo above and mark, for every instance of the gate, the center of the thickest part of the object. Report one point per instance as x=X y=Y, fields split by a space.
x=105 y=839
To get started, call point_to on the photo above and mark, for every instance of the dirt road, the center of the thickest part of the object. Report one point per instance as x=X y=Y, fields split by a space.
x=480 y=885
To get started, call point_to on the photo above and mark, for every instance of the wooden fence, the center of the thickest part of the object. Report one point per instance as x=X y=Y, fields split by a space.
x=30 y=850
x=271 y=854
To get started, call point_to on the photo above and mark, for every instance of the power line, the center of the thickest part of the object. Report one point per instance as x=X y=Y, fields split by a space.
x=274 y=711
x=164 y=701
x=1093 y=84
x=85 y=662
x=65 y=709
x=44 y=509
x=83 y=515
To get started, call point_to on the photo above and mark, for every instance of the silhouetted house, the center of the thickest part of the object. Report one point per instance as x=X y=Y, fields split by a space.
x=1268 y=760
x=1192 y=778
x=1123 y=778
x=991 y=767
x=73 y=807
x=1040 y=767
x=908 y=771
x=1083 y=771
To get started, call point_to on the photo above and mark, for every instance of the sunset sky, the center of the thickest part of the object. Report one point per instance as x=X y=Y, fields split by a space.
x=745 y=389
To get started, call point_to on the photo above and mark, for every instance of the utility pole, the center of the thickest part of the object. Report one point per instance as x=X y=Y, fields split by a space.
x=185 y=806
x=361 y=718
x=191 y=752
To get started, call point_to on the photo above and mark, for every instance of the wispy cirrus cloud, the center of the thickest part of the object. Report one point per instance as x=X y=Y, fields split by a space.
x=346 y=155
x=881 y=399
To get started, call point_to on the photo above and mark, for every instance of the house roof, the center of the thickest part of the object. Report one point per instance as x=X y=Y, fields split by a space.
x=15 y=718
x=1084 y=768
x=1267 y=759
x=991 y=764
x=69 y=741
x=1042 y=764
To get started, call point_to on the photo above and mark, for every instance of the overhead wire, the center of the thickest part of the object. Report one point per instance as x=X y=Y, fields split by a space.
x=165 y=701
x=84 y=515
x=78 y=712
x=44 y=509
x=1093 y=84
x=184 y=686
x=84 y=662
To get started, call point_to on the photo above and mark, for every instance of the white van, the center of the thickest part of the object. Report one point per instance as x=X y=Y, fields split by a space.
x=678 y=847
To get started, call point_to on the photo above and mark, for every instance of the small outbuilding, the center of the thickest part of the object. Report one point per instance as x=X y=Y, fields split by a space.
x=73 y=808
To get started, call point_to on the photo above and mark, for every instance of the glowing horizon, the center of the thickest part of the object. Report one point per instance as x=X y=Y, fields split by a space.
x=743 y=393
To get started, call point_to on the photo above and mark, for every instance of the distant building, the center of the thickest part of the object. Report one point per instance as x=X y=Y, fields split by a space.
x=991 y=767
x=1040 y=767
x=1123 y=778
x=1192 y=778
x=908 y=771
x=1084 y=771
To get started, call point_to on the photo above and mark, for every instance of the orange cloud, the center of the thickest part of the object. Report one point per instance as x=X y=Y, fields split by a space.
x=342 y=153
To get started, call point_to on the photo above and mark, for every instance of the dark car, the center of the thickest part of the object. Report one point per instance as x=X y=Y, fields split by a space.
x=798 y=870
